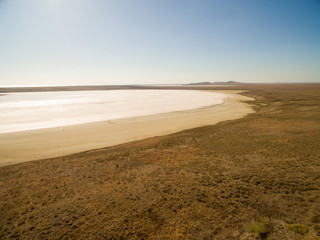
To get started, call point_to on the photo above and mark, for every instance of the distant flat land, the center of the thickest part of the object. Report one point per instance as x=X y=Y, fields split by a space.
x=255 y=177
x=196 y=86
x=192 y=86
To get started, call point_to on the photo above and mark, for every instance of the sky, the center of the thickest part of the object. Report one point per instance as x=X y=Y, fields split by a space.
x=103 y=42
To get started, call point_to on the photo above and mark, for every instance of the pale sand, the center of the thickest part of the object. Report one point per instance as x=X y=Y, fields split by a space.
x=53 y=142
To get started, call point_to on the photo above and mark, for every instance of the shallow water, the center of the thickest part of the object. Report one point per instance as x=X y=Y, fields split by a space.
x=27 y=111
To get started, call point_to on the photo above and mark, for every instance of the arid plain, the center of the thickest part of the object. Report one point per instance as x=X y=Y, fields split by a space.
x=257 y=177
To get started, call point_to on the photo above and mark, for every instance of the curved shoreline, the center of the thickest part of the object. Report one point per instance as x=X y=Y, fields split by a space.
x=53 y=142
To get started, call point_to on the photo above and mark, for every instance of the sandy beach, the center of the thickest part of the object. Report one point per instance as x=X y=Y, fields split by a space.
x=52 y=142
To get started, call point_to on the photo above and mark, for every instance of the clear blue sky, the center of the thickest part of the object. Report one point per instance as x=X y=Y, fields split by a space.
x=77 y=42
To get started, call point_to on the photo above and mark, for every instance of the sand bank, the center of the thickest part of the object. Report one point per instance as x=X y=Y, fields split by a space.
x=52 y=142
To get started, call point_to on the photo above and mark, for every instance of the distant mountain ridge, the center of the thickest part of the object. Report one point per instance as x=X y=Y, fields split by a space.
x=215 y=83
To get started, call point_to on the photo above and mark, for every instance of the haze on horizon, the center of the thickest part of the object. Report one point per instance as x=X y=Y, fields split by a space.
x=97 y=42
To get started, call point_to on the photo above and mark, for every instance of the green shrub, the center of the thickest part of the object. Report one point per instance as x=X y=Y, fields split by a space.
x=298 y=228
x=261 y=227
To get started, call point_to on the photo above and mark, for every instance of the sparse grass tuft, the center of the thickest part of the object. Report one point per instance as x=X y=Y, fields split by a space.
x=317 y=229
x=298 y=228
x=315 y=218
x=261 y=227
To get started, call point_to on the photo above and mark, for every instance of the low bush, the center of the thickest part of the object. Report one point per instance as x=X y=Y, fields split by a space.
x=298 y=228
x=315 y=218
x=261 y=227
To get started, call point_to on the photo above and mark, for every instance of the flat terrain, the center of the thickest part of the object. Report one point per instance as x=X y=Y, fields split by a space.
x=250 y=178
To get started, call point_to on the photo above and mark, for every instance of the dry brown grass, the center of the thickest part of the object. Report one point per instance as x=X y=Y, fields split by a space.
x=207 y=183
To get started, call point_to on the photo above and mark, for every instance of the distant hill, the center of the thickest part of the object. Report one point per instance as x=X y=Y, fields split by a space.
x=215 y=83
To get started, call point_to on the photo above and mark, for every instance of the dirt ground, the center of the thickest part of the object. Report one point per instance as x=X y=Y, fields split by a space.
x=251 y=178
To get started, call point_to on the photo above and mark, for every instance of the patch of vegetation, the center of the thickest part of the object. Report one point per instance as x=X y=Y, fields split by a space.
x=317 y=229
x=261 y=227
x=298 y=228
x=315 y=218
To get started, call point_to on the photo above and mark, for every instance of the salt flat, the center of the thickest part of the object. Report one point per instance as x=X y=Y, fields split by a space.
x=194 y=111
x=37 y=110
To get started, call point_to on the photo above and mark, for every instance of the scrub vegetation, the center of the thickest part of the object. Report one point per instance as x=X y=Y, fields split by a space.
x=261 y=227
